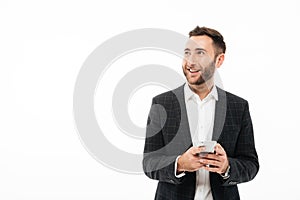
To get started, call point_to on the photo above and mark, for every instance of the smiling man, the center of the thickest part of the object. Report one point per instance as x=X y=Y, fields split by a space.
x=198 y=111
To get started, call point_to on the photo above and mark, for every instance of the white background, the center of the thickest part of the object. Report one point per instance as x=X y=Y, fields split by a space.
x=44 y=43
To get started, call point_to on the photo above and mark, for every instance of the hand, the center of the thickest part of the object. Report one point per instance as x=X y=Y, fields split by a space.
x=219 y=161
x=190 y=160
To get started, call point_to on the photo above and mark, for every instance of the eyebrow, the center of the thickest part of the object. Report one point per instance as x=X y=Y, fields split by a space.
x=197 y=49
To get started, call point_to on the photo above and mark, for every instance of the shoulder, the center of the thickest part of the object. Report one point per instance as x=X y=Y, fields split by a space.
x=169 y=96
x=233 y=99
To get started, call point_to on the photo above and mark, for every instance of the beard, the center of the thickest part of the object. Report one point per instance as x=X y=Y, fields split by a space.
x=206 y=74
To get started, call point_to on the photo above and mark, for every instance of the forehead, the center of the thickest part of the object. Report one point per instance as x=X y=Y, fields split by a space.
x=201 y=41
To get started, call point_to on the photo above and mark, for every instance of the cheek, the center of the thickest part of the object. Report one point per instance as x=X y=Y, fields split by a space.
x=205 y=61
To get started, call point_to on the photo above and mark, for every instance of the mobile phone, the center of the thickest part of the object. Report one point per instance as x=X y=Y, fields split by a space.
x=209 y=147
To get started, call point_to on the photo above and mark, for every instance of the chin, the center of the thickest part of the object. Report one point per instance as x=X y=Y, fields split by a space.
x=193 y=80
x=198 y=81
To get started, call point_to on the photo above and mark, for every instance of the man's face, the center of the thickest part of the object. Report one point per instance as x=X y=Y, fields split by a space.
x=199 y=63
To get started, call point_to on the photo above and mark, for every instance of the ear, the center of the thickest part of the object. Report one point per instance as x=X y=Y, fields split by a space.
x=220 y=60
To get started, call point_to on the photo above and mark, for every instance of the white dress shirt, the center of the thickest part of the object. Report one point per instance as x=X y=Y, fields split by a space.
x=201 y=121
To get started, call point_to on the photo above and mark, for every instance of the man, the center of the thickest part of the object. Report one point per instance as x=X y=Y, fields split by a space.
x=199 y=111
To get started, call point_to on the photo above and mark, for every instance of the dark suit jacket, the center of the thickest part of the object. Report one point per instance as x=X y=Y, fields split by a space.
x=168 y=135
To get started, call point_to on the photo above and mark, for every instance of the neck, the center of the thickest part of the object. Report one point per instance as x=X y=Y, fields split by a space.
x=204 y=89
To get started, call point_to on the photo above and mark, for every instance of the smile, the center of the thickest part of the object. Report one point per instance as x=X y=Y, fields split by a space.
x=193 y=70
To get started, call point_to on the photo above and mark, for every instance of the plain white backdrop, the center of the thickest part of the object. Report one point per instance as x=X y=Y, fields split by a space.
x=44 y=43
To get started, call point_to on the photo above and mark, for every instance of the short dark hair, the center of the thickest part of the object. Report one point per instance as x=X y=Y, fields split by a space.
x=218 y=40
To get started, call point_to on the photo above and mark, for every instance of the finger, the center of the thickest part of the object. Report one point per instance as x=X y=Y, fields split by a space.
x=219 y=149
x=213 y=157
x=211 y=169
x=192 y=150
x=201 y=148
x=210 y=162
x=196 y=150
x=195 y=166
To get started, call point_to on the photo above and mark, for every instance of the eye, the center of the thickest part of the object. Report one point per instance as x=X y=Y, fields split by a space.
x=186 y=53
x=200 y=52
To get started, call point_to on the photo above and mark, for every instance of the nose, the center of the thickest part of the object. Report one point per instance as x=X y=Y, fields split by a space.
x=191 y=61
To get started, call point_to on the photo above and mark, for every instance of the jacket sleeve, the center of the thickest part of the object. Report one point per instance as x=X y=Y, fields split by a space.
x=158 y=163
x=244 y=165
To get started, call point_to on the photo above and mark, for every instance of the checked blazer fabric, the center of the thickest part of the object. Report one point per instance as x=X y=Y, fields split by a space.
x=168 y=136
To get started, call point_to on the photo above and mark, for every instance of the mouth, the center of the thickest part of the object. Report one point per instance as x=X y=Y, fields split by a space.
x=193 y=70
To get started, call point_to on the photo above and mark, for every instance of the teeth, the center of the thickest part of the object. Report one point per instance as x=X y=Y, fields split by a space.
x=192 y=70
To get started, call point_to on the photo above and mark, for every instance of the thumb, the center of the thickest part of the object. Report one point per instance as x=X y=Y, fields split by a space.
x=196 y=150
x=219 y=149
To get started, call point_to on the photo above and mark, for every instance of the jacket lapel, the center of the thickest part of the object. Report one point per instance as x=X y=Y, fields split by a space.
x=220 y=114
x=184 y=129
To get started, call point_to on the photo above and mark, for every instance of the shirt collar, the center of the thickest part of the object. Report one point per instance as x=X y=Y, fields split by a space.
x=189 y=94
